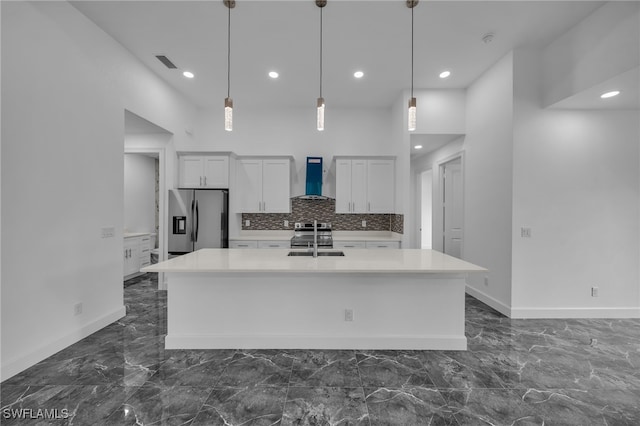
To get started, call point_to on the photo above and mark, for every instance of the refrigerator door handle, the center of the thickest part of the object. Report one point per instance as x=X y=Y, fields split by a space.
x=191 y=227
x=197 y=219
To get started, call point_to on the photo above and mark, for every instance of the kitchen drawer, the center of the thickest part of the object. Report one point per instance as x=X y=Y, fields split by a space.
x=274 y=244
x=383 y=244
x=348 y=244
x=243 y=244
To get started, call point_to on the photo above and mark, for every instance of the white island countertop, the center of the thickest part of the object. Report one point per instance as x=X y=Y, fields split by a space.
x=354 y=261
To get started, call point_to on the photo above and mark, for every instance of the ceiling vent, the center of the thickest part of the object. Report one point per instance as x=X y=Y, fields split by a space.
x=166 y=61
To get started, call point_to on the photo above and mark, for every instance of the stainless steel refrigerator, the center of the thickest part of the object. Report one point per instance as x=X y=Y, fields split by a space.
x=198 y=218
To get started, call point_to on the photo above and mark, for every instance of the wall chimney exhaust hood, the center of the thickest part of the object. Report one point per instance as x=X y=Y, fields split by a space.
x=313 y=182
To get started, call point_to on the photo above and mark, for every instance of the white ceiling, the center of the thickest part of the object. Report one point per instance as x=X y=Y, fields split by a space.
x=372 y=36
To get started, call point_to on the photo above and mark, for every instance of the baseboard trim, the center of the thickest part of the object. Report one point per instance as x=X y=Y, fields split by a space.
x=15 y=366
x=211 y=341
x=565 y=313
x=488 y=300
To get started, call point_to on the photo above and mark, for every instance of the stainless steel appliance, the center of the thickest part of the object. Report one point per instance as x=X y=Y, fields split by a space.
x=303 y=235
x=198 y=218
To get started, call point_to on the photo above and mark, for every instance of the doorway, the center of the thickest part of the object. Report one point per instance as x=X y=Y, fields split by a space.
x=424 y=185
x=452 y=198
x=143 y=139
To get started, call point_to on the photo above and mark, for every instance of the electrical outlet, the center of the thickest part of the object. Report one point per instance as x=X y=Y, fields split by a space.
x=348 y=314
x=525 y=232
x=594 y=291
x=77 y=308
x=247 y=222
x=486 y=280
x=286 y=223
x=108 y=232
x=364 y=223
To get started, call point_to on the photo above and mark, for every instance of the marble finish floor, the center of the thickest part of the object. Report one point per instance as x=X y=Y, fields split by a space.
x=516 y=372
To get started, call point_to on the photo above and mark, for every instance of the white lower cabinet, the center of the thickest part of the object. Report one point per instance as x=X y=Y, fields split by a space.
x=274 y=244
x=137 y=254
x=383 y=244
x=348 y=244
x=243 y=244
x=366 y=244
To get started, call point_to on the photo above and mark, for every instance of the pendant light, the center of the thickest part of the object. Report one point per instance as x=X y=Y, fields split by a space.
x=228 y=102
x=320 y=103
x=412 y=113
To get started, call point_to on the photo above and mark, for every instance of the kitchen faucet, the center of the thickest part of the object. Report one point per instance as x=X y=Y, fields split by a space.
x=315 y=238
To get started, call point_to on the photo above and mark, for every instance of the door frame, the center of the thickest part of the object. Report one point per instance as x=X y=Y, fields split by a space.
x=438 y=204
x=162 y=203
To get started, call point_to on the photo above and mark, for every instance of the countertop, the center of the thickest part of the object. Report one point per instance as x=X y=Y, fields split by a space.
x=337 y=236
x=134 y=234
x=354 y=261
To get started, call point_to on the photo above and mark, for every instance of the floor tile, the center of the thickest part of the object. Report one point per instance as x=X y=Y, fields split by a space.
x=155 y=404
x=408 y=406
x=258 y=367
x=393 y=369
x=251 y=405
x=325 y=368
x=325 y=406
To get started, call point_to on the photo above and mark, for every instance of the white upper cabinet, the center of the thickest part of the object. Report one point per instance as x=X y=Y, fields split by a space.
x=365 y=185
x=264 y=185
x=204 y=171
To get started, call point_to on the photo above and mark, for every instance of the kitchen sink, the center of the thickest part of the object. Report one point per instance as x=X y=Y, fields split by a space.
x=320 y=253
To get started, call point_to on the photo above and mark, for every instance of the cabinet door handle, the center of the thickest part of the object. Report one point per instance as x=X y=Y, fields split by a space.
x=264 y=206
x=369 y=207
x=205 y=181
x=200 y=180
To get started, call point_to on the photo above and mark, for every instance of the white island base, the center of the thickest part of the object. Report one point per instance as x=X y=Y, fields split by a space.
x=303 y=303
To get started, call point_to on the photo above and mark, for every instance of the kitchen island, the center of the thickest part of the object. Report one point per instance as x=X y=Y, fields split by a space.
x=366 y=299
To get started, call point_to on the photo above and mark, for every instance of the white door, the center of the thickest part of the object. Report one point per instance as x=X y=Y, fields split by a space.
x=452 y=205
x=276 y=186
x=249 y=184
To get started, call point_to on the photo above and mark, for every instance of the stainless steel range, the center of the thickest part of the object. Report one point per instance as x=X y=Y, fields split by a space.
x=303 y=235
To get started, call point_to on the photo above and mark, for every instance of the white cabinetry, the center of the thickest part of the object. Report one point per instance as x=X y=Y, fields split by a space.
x=264 y=185
x=204 y=171
x=383 y=244
x=137 y=254
x=366 y=244
x=365 y=185
x=272 y=244
x=243 y=244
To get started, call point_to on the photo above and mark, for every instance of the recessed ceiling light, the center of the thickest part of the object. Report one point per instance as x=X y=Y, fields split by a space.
x=418 y=147
x=610 y=94
x=188 y=74
x=445 y=74
x=273 y=74
x=358 y=74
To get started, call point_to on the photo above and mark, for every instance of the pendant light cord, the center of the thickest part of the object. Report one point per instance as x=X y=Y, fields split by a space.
x=229 y=53
x=412 y=51
x=321 y=51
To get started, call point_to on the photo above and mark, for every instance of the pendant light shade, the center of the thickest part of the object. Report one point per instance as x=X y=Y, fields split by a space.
x=412 y=115
x=320 y=114
x=320 y=102
x=412 y=111
x=228 y=102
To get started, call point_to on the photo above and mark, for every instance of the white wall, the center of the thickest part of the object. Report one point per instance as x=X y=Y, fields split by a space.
x=488 y=173
x=604 y=45
x=576 y=186
x=139 y=193
x=293 y=132
x=62 y=152
x=440 y=111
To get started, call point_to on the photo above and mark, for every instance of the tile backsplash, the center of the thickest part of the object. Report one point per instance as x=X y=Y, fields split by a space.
x=322 y=211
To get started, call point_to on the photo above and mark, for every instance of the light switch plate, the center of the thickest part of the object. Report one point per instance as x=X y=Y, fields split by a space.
x=108 y=232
